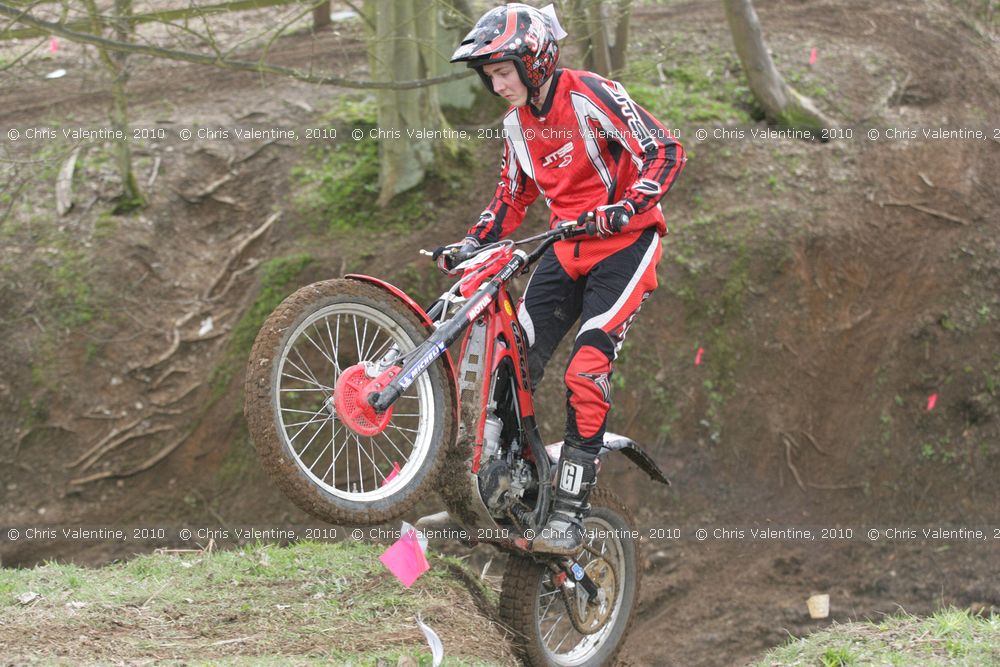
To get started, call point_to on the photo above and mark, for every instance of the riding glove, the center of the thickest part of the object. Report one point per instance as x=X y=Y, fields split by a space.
x=607 y=220
x=448 y=256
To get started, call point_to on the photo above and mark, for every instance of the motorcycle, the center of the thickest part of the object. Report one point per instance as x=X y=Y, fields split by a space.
x=357 y=411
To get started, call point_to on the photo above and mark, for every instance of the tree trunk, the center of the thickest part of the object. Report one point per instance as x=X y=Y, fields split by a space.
x=598 y=34
x=457 y=21
x=321 y=15
x=405 y=47
x=600 y=30
x=578 y=30
x=115 y=62
x=619 y=47
x=131 y=194
x=781 y=103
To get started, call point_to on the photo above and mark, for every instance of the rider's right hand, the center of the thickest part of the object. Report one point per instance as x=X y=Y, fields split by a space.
x=448 y=256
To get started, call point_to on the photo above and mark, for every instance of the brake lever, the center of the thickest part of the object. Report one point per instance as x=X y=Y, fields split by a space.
x=572 y=228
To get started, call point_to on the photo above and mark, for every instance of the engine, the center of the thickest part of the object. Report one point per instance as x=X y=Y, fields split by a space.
x=504 y=485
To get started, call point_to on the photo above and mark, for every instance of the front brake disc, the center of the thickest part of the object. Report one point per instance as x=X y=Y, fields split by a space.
x=590 y=616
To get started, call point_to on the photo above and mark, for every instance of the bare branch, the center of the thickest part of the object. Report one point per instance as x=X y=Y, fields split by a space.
x=21 y=57
x=201 y=59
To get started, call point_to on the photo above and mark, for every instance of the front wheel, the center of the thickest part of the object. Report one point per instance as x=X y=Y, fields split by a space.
x=547 y=631
x=322 y=464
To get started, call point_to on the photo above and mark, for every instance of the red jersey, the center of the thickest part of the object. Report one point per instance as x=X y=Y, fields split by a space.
x=589 y=145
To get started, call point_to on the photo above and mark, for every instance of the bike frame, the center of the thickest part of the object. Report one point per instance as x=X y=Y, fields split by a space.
x=492 y=339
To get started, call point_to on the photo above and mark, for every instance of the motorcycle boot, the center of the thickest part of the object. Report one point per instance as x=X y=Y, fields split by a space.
x=575 y=478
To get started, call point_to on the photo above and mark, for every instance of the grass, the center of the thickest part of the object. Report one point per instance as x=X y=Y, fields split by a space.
x=950 y=637
x=277 y=281
x=308 y=603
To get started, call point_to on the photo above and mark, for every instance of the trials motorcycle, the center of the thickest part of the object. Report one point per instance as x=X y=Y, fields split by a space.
x=358 y=411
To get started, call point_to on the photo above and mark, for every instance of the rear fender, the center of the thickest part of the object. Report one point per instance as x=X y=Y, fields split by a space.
x=419 y=312
x=627 y=446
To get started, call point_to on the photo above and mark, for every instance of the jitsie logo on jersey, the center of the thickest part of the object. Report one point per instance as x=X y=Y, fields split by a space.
x=564 y=154
x=631 y=114
x=603 y=383
x=571 y=477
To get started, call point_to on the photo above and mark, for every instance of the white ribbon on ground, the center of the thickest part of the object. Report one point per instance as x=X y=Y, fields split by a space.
x=437 y=648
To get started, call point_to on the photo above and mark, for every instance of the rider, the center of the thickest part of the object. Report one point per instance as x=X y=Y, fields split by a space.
x=598 y=157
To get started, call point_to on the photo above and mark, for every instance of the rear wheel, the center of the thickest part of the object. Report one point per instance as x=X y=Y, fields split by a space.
x=540 y=613
x=325 y=467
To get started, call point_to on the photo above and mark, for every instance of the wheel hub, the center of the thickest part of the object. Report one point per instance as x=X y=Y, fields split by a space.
x=350 y=398
x=592 y=615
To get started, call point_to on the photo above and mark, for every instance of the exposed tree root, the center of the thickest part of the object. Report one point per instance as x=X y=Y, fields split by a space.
x=789 y=447
x=117 y=442
x=929 y=211
x=145 y=465
x=235 y=253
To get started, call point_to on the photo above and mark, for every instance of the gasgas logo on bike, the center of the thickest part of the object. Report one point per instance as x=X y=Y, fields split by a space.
x=480 y=307
x=422 y=365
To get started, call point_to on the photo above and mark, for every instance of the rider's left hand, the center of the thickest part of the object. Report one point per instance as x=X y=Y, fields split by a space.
x=607 y=220
x=447 y=256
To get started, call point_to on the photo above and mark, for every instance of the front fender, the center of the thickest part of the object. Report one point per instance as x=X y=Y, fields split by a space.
x=419 y=312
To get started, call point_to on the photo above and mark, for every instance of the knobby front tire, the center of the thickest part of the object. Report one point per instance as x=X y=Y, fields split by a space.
x=324 y=467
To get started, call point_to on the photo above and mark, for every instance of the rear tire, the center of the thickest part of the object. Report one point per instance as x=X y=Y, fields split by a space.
x=544 y=634
x=318 y=462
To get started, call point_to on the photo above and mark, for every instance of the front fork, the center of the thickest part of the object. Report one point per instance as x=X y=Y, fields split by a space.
x=428 y=352
x=432 y=348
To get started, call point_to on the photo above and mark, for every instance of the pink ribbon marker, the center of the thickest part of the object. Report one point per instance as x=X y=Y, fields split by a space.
x=812 y=56
x=53 y=45
x=697 y=357
x=392 y=473
x=931 y=402
x=405 y=559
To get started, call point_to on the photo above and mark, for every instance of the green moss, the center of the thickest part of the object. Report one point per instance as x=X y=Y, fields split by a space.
x=69 y=299
x=240 y=464
x=737 y=284
x=351 y=109
x=336 y=186
x=697 y=90
x=277 y=281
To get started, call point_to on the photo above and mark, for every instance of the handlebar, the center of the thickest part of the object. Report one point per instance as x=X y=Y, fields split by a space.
x=564 y=229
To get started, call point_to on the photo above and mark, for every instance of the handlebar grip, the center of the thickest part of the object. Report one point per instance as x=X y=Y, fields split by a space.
x=572 y=229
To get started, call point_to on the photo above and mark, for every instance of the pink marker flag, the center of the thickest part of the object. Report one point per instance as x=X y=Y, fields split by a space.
x=392 y=473
x=812 y=56
x=405 y=558
x=931 y=402
x=53 y=45
x=697 y=357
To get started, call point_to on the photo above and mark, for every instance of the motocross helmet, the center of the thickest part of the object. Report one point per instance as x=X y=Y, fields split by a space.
x=513 y=33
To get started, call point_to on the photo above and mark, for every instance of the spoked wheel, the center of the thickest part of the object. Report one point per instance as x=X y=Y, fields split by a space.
x=550 y=632
x=325 y=466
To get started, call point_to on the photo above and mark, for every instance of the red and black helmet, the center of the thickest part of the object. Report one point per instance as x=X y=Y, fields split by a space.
x=513 y=33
